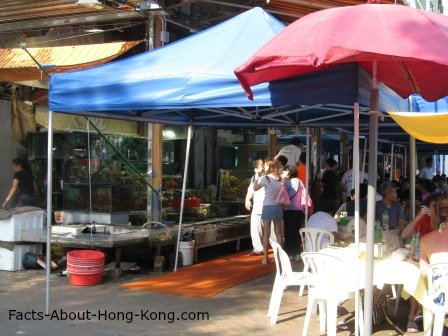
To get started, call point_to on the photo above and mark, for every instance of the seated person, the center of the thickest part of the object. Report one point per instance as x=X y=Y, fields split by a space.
x=362 y=202
x=390 y=203
x=323 y=219
x=433 y=246
x=349 y=206
x=425 y=222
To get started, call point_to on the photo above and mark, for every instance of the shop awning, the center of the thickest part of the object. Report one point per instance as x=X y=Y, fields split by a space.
x=425 y=126
x=17 y=65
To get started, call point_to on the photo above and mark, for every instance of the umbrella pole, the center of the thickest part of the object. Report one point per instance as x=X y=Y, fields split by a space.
x=370 y=230
x=184 y=187
x=49 y=208
x=355 y=166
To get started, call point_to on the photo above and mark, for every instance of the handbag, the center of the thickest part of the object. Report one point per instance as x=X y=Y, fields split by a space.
x=306 y=201
x=282 y=197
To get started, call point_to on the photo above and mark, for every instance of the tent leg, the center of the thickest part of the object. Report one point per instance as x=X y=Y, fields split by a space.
x=307 y=174
x=370 y=230
x=412 y=172
x=49 y=207
x=412 y=168
x=184 y=187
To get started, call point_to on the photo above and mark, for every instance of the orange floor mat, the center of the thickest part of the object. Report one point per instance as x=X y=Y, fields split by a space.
x=206 y=279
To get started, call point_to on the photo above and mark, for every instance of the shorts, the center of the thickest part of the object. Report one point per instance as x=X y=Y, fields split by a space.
x=272 y=213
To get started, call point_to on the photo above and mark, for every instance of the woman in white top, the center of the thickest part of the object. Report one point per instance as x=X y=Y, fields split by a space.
x=271 y=212
x=324 y=220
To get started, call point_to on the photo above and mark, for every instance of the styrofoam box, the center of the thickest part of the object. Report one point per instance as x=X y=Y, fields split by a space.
x=11 y=227
x=12 y=260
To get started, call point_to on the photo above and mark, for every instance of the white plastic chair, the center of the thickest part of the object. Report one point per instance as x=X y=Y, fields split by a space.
x=329 y=286
x=438 y=295
x=312 y=240
x=284 y=278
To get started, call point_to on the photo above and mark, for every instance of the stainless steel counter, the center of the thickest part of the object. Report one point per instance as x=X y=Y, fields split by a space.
x=106 y=236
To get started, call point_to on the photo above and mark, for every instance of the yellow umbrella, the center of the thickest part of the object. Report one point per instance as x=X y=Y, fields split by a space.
x=425 y=126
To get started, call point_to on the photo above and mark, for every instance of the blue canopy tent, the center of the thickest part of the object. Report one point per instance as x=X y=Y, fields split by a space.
x=192 y=82
x=421 y=105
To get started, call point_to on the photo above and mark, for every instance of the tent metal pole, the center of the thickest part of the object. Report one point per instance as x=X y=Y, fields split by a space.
x=412 y=173
x=370 y=230
x=307 y=170
x=391 y=170
x=49 y=208
x=363 y=168
x=405 y=163
x=184 y=187
x=121 y=156
x=355 y=167
x=412 y=168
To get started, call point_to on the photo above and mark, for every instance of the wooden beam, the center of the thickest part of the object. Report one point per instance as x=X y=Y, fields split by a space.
x=67 y=21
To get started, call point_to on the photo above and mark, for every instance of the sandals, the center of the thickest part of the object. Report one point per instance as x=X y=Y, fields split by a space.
x=412 y=327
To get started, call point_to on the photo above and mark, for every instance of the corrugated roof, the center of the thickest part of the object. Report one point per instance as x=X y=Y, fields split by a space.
x=17 y=65
x=26 y=12
x=297 y=8
x=21 y=15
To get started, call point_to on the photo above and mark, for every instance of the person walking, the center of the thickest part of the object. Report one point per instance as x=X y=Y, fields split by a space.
x=427 y=171
x=291 y=151
x=348 y=183
x=329 y=182
x=254 y=203
x=293 y=215
x=271 y=211
x=23 y=183
x=301 y=168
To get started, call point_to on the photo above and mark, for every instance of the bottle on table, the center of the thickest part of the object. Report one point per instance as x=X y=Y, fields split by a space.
x=412 y=244
x=385 y=220
x=416 y=248
x=378 y=232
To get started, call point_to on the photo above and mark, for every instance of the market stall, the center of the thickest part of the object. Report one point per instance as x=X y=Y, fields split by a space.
x=204 y=233
x=198 y=90
x=102 y=236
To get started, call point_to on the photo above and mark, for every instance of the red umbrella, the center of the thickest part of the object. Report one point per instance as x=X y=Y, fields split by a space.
x=409 y=46
x=401 y=47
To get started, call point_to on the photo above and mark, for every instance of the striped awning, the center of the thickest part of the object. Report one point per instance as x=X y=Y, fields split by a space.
x=17 y=65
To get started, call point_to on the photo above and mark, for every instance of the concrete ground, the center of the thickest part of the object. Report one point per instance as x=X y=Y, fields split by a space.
x=106 y=309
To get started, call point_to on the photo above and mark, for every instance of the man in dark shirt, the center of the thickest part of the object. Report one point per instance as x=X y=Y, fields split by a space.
x=390 y=203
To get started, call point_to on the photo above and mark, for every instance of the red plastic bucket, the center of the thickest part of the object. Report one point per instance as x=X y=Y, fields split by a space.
x=85 y=267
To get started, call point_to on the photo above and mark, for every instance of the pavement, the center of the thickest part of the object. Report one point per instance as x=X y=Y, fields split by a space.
x=107 y=309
